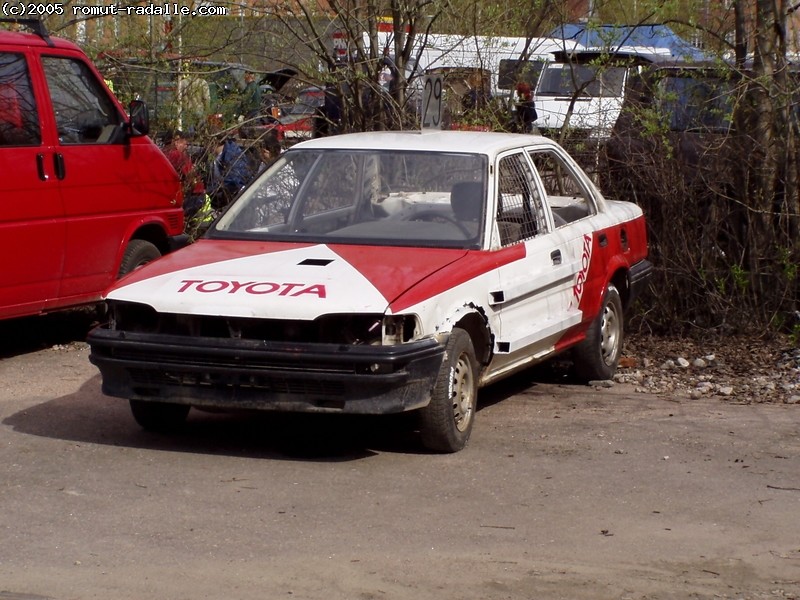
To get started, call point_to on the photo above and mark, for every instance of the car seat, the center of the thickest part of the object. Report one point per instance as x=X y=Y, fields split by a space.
x=466 y=200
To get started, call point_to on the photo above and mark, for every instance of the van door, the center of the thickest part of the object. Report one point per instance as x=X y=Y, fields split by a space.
x=107 y=179
x=32 y=230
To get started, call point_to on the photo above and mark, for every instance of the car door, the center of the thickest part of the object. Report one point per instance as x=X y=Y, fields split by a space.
x=32 y=228
x=580 y=231
x=532 y=300
x=105 y=177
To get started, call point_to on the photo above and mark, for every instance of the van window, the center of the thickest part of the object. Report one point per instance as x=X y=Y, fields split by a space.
x=512 y=72
x=84 y=112
x=560 y=79
x=19 y=119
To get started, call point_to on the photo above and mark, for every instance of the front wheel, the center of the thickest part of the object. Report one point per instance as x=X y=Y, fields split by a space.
x=162 y=417
x=446 y=423
x=596 y=357
x=138 y=253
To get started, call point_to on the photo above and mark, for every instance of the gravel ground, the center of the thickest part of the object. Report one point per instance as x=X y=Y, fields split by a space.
x=745 y=369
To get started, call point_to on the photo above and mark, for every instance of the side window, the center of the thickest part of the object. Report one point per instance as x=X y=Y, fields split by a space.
x=568 y=198
x=19 y=119
x=520 y=213
x=84 y=113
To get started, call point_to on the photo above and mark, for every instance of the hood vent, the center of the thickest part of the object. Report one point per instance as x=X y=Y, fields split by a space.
x=316 y=262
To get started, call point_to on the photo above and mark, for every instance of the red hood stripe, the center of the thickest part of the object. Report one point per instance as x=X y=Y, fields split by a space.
x=405 y=276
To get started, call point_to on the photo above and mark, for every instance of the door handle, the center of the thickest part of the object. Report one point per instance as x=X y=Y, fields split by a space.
x=555 y=256
x=58 y=163
x=602 y=240
x=40 y=167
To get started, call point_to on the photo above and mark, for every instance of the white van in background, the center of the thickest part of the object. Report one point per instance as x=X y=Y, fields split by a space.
x=499 y=57
x=585 y=89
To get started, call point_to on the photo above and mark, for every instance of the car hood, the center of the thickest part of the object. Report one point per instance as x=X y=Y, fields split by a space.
x=281 y=280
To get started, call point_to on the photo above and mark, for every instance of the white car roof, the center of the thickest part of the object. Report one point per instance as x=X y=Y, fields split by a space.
x=479 y=142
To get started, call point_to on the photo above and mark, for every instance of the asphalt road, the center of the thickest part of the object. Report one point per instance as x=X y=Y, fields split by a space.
x=563 y=492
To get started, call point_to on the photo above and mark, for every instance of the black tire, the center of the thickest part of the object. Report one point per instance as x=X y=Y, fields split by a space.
x=137 y=254
x=597 y=357
x=162 y=417
x=446 y=423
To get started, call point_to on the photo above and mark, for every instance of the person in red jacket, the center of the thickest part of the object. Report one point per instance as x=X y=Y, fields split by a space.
x=525 y=109
x=177 y=152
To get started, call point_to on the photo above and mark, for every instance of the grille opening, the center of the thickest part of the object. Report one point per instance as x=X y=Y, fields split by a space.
x=350 y=329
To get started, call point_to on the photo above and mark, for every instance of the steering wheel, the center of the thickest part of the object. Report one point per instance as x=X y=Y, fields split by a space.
x=432 y=215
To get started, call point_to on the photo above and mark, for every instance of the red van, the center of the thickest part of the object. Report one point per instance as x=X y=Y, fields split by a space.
x=85 y=195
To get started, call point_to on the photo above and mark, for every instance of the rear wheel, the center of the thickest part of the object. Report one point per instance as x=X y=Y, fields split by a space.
x=159 y=416
x=446 y=423
x=137 y=254
x=598 y=355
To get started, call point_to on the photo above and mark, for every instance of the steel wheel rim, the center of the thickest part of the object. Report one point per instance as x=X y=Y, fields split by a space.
x=462 y=393
x=610 y=334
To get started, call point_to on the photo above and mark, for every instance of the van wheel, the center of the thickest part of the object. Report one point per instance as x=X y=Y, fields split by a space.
x=446 y=423
x=138 y=253
x=162 y=417
x=596 y=357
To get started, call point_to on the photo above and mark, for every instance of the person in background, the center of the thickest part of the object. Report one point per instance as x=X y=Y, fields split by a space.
x=268 y=152
x=251 y=97
x=232 y=169
x=196 y=96
x=476 y=98
x=328 y=117
x=526 y=109
x=194 y=191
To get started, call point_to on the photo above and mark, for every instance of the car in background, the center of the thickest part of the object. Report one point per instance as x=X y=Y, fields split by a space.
x=379 y=273
x=298 y=123
x=295 y=121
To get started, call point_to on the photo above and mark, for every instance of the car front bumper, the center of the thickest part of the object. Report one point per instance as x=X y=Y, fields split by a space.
x=233 y=374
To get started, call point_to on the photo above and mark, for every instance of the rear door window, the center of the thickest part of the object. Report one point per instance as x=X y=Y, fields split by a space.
x=567 y=196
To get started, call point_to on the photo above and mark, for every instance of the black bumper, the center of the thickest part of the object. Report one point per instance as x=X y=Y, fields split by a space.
x=638 y=275
x=226 y=373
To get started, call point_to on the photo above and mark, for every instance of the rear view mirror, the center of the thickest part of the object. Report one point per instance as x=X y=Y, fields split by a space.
x=139 y=118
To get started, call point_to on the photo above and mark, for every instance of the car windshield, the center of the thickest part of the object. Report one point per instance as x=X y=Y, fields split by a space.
x=560 y=79
x=376 y=197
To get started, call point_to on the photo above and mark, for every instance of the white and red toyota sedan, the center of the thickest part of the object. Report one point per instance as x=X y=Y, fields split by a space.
x=379 y=273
